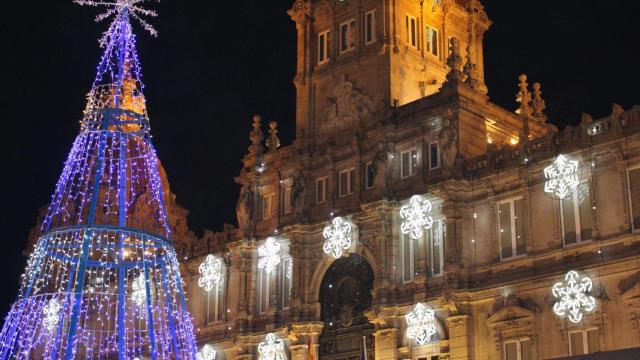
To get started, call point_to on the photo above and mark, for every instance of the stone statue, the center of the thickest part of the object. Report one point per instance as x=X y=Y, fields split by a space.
x=383 y=166
x=449 y=144
x=244 y=207
x=299 y=196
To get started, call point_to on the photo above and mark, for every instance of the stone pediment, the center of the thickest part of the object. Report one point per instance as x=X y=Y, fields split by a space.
x=511 y=313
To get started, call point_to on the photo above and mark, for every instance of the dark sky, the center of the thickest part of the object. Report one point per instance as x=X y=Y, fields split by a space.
x=215 y=65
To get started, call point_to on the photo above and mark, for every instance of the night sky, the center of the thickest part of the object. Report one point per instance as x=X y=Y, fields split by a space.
x=213 y=66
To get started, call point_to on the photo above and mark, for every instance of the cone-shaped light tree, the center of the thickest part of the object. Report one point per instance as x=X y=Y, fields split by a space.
x=103 y=280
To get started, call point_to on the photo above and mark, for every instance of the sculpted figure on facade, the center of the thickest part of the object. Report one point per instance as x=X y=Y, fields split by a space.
x=449 y=142
x=244 y=206
x=299 y=194
x=383 y=167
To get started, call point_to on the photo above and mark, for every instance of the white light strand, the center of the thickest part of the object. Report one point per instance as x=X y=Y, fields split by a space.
x=563 y=177
x=210 y=273
x=207 y=353
x=421 y=324
x=337 y=237
x=271 y=348
x=416 y=217
x=572 y=296
x=51 y=315
x=269 y=255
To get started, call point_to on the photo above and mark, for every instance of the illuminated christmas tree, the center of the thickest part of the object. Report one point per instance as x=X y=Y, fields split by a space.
x=103 y=283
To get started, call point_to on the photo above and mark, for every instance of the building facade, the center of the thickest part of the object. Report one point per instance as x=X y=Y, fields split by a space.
x=412 y=218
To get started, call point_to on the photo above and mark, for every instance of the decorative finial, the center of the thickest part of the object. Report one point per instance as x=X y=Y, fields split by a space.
x=273 y=142
x=454 y=61
x=256 y=137
x=523 y=97
x=538 y=103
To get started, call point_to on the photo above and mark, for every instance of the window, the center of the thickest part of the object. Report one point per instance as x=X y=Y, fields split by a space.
x=427 y=250
x=434 y=155
x=370 y=27
x=267 y=206
x=584 y=341
x=321 y=190
x=348 y=36
x=264 y=281
x=215 y=304
x=412 y=30
x=323 y=47
x=408 y=163
x=286 y=273
x=432 y=40
x=634 y=197
x=575 y=216
x=346 y=183
x=285 y=199
x=511 y=232
x=517 y=349
x=369 y=173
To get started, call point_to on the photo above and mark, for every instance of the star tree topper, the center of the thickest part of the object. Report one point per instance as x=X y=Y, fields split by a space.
x=210 y=273
x=416 y=217
x=337 y=237
x=421 y=324
x=563 y=177
x=271 y=348
x=133 y=7
x=572 y=296
x=269 y=255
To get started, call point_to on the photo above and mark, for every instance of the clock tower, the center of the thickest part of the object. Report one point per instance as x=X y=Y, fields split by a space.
x=357 y=58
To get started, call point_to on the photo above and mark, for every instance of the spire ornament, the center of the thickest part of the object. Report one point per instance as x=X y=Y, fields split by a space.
x=256 y=136
x=523 y=97
x=538 y=104
x=273 y=142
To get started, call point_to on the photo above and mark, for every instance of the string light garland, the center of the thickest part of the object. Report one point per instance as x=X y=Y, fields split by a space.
x=563 y=177
x=210 y=273
x=415 y=217
x=572 y=295
x=421 y=324
x=103 y=280
x=272 y=348
x=269 y=255
x=337 y=237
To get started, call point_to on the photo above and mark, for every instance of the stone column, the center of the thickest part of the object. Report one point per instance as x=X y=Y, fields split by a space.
x=386 y=343
x=303 y=332
x=460 y=336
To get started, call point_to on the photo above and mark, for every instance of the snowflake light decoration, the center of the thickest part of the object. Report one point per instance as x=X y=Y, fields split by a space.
x=210 y=273
x=337 y=237
x=51 y=314
x=207 y=353
x=572 y=296
x=271 y=348
x=416 y=217
x=563 y=177
x=116 y=7
x=421 y=324
x=139 y=290
x=269 y=255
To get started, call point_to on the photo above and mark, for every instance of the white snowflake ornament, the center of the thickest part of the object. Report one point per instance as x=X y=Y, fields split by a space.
x=337 y=237
x=271 y=348
x=421 y=324
x=269 y=255
x=207 y=353
x=210 y=273
x=415 y=217
x=51 y=315
x=573 y=297
x=563 y=177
